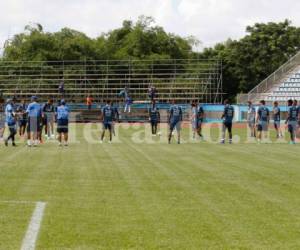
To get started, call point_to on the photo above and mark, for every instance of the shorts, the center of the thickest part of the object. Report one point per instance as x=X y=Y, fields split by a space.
x=196 y=124
x=49 y=118
x=44 y=121
x=228 y=126
x=11 y=126
x=292 y=126
x=154 y=122
x=276 y=124
x=251 y=123
x=263 y=126
x=34 y=124
x=22 y=123
x=107 y=125
x=62 y=126
x=175 y=125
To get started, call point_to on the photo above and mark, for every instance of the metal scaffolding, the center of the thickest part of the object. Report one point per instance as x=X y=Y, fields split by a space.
x=182 y=80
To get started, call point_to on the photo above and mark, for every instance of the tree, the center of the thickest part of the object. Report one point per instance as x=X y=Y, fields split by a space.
x=140 y=40
x=251 y=59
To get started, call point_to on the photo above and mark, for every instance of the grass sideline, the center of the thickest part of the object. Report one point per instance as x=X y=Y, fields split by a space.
x=135 y=195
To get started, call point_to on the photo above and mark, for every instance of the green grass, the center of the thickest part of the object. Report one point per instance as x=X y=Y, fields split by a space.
x=137 y=195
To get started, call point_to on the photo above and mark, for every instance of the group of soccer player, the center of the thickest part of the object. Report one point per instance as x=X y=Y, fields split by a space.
x=175 y=118
x=258 y=120
x=33 y=119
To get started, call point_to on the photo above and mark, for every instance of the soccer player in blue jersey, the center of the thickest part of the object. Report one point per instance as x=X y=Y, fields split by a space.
x=2 y=118
x=194 y=119
x=34 y=111
x=116 y=117
x=62 y=114
x=262 y=120
x=292 y=120
x=107 y=116
x=197 y=119
x=298 y=119
x=200 y=119
x=11 y=122
x=152 y=92
x=154 y=117
x=174 y=120
x=227 y=118
x=21 y=111
x=277 y=119
x=127 y=100
x=251 y=118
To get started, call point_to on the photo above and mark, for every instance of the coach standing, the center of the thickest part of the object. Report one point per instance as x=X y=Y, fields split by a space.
x=34 y=111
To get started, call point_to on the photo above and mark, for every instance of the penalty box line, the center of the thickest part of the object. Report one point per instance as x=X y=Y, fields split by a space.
x=30 y=238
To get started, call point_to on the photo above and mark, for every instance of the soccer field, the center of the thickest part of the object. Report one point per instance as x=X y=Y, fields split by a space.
x=146 y=194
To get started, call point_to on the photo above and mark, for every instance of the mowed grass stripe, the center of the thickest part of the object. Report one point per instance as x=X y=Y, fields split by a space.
x=180 y=203
x=115 y=209
x=159 y=196
x=142 y=229
x=221 y=171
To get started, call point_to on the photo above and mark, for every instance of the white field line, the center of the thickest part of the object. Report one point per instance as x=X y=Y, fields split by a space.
x=33 y=229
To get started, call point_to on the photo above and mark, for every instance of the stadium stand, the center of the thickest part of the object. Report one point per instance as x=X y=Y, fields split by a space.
x=183 y=80
x=289 y=89
x=280 y=86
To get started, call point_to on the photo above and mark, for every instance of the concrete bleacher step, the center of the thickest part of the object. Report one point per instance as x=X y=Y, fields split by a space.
x=285 y=90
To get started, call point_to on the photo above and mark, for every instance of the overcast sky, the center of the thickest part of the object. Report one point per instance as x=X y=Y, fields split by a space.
x=211 y=21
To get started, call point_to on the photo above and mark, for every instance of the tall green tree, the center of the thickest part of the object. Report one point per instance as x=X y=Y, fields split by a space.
x=140 y=40
x=251 y=59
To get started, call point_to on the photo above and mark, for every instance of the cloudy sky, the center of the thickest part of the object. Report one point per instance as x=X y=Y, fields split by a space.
x=210 y=21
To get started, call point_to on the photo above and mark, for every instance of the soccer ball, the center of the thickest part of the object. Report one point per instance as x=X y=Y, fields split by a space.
x=159 y=133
